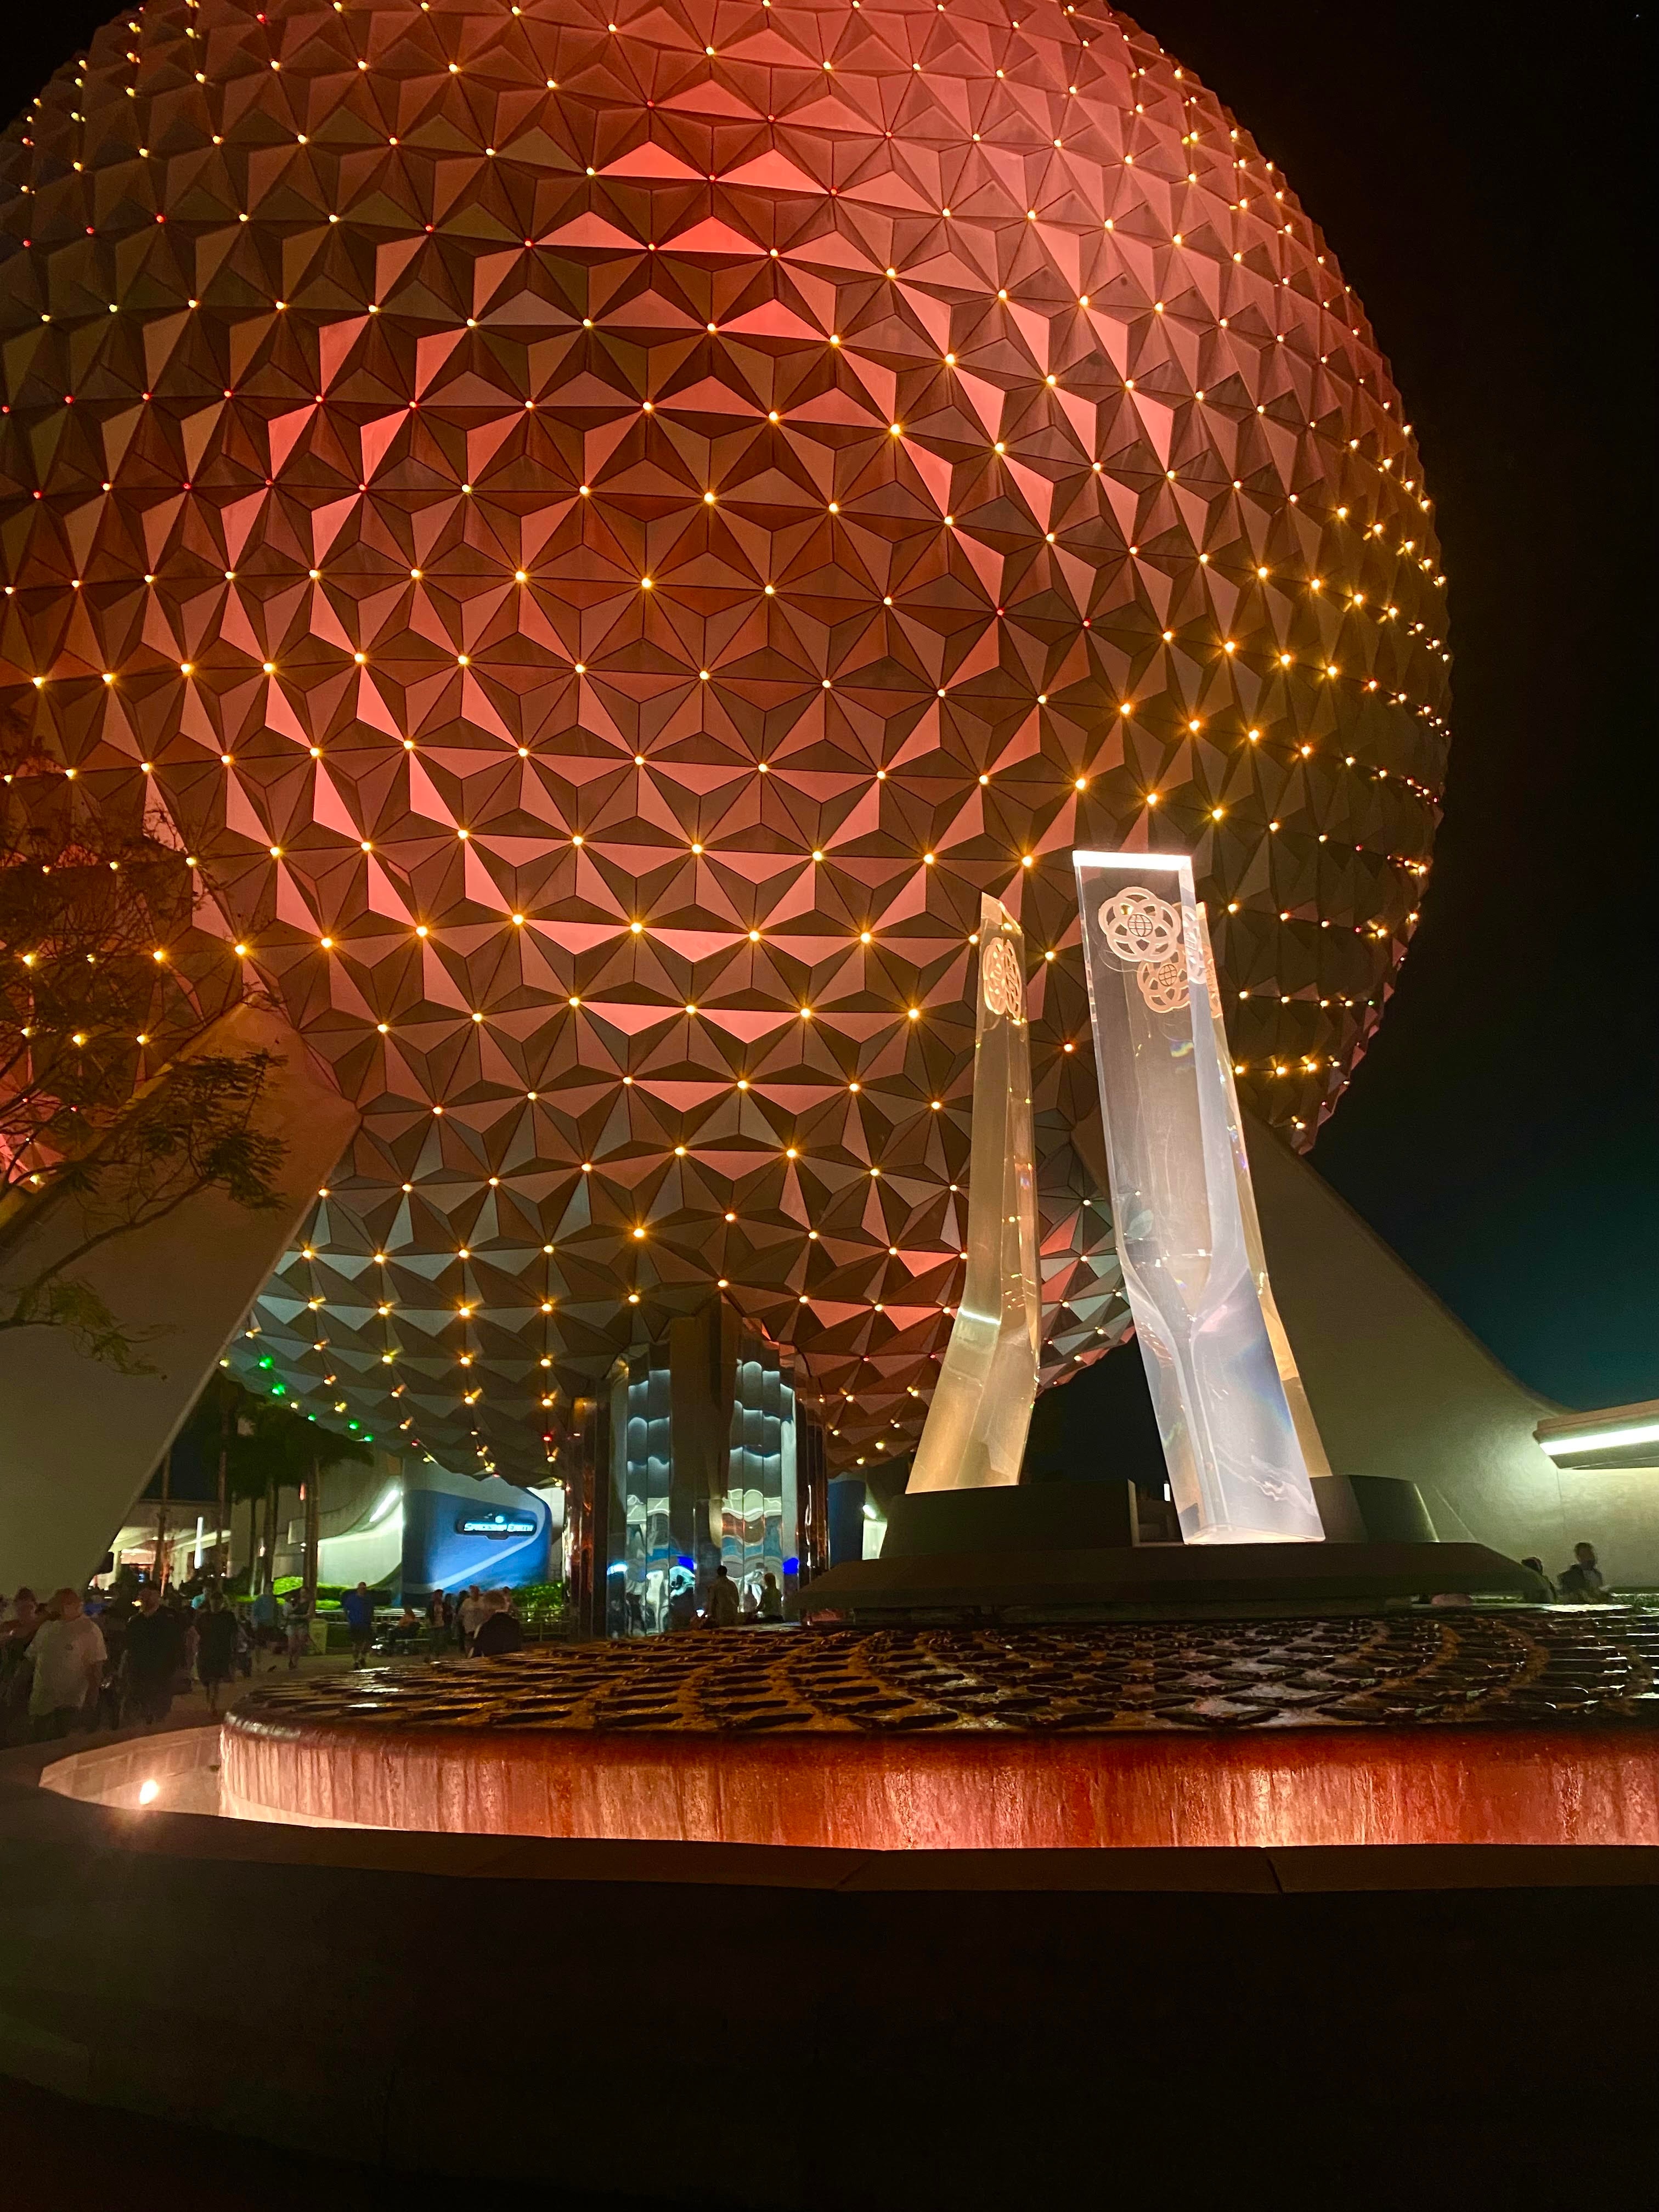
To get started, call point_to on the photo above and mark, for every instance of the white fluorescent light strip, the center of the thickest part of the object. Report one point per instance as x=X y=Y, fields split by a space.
x=1142 y=860
x=1588 y=1440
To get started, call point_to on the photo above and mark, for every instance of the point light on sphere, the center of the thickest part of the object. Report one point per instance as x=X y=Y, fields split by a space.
x=1084 y=514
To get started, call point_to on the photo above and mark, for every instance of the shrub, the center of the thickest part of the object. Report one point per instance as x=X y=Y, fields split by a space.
x=540 y=1606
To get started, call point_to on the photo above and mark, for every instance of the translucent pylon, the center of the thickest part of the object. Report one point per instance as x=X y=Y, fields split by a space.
x=974 y=1434
x=1238 y=1437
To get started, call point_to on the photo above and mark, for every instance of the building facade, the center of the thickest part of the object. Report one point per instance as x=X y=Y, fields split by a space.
x=603 y=550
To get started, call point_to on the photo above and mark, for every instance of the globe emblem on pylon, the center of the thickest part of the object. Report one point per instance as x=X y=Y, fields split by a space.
x=1163 y=984
x=1139 y=925
x=1000 y=979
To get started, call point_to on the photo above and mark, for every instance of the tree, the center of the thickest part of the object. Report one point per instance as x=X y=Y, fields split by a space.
x=286 y=1451
x=212 y=1427
x=104 y=980
x=270 y=1446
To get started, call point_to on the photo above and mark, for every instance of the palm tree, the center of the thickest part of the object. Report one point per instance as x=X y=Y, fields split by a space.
x=287 y=1451
x=267 y=1445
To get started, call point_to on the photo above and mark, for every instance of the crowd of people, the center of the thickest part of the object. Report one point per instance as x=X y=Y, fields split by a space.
x=716 y=1602
x=477 y=1623
x=114 y=1658
x=120 y=1657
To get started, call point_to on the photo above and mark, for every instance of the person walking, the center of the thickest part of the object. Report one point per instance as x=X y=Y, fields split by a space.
x=358 y=1608
x=262 y=1615
x=296 y=1627
x=23 y=1617
x=153 y=1660
x=471 y=1617
x=67 y=1654
x=771 y=1597
x=216 y=1649
x=439 y=1618
x=501 y=1630
x=682 y=1600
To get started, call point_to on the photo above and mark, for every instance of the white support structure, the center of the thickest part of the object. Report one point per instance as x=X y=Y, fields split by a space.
x=974 y=1435
x=78 y=1442
x=1238 y=1437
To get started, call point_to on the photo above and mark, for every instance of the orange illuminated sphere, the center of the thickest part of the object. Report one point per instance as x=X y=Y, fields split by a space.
x=654 y=534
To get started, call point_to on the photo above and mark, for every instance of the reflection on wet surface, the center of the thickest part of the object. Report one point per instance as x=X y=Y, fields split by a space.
x=1511 y=1667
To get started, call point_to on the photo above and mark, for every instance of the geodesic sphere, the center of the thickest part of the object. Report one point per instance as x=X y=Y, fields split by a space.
x=605 y=531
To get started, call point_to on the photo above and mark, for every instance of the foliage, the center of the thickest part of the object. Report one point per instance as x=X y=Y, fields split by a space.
x=540 y=1606
x=281 y=1447
x=331 y=1596
x=269 y=1446
x=191 y=1131
x=271 y=1441
x=220 y=1415
x=103 y=979
x=102 y=976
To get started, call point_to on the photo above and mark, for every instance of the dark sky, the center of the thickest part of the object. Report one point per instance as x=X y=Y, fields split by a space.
x=1484 y=176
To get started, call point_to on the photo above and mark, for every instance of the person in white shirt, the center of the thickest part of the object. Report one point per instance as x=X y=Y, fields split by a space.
x=471 y=1616
x=67 y=1654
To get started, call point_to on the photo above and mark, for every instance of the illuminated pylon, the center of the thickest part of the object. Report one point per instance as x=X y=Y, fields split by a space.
x=1237 y=1435
x=974 y=1434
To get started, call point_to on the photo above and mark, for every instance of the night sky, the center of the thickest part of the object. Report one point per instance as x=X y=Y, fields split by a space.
x=1483 y=177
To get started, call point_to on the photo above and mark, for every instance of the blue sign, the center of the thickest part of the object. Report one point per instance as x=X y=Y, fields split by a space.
x=497 y=1524
x=451 y=1540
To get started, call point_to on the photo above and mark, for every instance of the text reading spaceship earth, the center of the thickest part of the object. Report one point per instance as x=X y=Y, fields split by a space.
x=605 y=528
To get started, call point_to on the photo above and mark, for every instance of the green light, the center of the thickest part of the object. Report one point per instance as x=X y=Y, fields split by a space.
x=351 y=1425
x=267 y=1362
x=279 y=1389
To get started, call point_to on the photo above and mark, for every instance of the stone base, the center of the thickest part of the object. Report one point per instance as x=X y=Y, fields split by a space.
x=1059 y=1551
x=902 y=1966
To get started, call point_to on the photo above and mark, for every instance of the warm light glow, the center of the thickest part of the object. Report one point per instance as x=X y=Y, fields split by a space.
x=311 y=770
